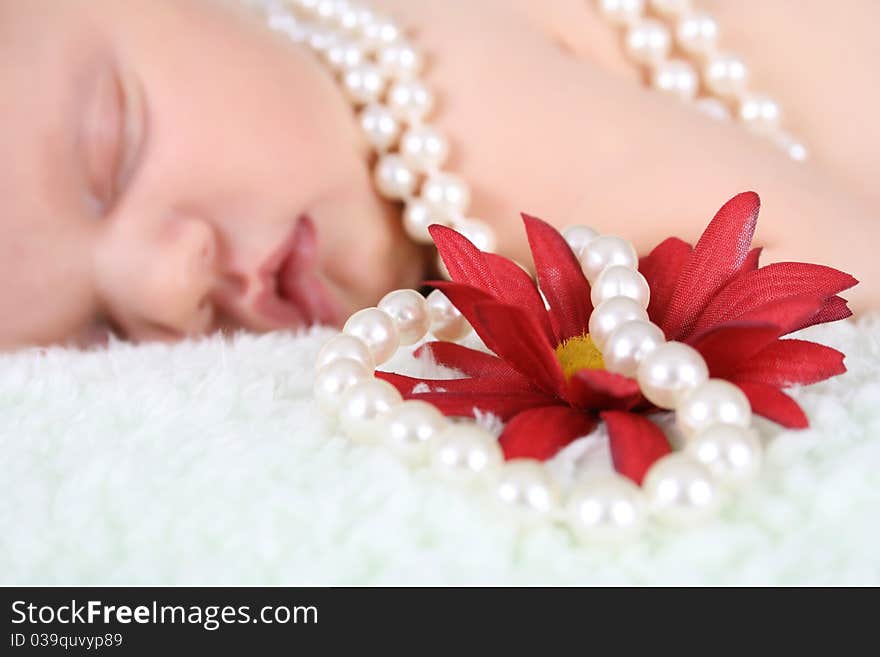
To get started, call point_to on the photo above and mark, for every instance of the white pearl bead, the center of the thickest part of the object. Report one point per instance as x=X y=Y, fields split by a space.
x=409 y=310
x=365 y=16
x=363 y=408
x=526 y=485
x=410 y=100
x=620 y=281
x=791 y=146
x=394 y=178
x=417 y=217
x=606 y=509
x=478 y=233
x=629 y=344
x=604 y=251
x=380 y=126
x=447 y=323
x=726 y=75
x=308 y=6
x=410 y=428
x=424 y=147
x=578 y=237
x=697 y=33
x=680 y=490
x=647 y=41
x=610 y=314
x=363 y=83
x=322 y=40
x=677 y=78
x=400 y=60
x=289 y=26
x=760 y=113
x=670 y=7
x=713 y=108
x=345 y=346
x=621 y=12
x=349 y=19
x=669 y=371
x=344 y=55
x=713 y=402
x=379 y=33
x=328 y=10
x=731 y=453
x=463 y=451
x=377 y=330
x=447 y=193
x=335 y=378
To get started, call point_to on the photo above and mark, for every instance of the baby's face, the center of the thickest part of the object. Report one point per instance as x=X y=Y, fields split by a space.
x=170 y=167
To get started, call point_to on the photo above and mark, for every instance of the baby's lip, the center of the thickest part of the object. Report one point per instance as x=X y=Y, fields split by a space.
x=292 y=292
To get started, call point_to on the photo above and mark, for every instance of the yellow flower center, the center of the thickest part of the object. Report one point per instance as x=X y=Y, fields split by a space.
x=578 y=354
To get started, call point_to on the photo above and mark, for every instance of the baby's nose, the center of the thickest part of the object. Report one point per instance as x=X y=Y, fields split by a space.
x=184 y=277
x=157 y=281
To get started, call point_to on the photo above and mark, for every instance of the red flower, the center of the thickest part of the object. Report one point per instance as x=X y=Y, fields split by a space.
x=546 y=379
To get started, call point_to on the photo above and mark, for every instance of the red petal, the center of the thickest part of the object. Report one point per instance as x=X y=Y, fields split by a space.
x=835 y=309
x=464 y=261
x=726 y=347
x=472 y=362
x=751 y=261
x=752 y=290
x=786 y=313
x=541 y=432
x=636 y=443
x=501 y=329
x=516 y=337
x=518 y=289
x=462 y=396
x=465 y=298
x=774 y=405
x=661 y=268
x=718 y=255
x=505 y=405
x=500 y=278
x=561 y=279
x=789 y=362
x=406 y=384
x=601 y=389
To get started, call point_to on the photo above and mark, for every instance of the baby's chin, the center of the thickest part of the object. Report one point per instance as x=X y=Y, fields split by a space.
x=351 y=301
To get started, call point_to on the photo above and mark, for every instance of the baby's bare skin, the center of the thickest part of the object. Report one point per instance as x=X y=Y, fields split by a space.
x=546 y=116
x=161 y=154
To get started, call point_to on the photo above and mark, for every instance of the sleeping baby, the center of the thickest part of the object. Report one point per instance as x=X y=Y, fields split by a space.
x=178 y=167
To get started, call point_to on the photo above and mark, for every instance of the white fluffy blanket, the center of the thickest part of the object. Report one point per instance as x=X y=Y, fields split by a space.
x=208 y=463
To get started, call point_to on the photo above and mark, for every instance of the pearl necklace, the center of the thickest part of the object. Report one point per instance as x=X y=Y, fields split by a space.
x=721 y=451
x=378 y=71
x=648 y=41
x=373 y=62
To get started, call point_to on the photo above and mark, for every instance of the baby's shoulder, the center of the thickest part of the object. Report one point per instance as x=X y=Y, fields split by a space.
x=555 y=19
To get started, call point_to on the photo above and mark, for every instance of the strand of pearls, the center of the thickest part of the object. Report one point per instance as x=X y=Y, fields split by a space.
x=378 y=69
x=720 y=450
x=653 y=32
